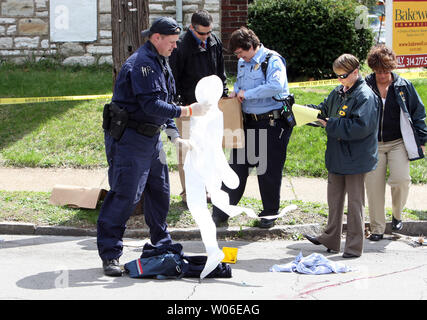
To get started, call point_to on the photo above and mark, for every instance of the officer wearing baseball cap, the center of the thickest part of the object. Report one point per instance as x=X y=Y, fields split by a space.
x=142 y=105
x=162 y=25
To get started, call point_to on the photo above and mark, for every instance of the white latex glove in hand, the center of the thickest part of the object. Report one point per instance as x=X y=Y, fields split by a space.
x=183 y=144
x=199 y=109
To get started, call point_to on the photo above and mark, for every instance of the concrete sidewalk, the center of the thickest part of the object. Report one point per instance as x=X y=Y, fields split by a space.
x=305 y=189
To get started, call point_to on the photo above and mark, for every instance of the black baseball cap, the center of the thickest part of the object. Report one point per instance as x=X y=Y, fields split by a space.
x=162 y=25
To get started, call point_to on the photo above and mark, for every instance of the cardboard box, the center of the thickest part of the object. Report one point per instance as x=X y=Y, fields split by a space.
x=76 y=196
x=234 y=136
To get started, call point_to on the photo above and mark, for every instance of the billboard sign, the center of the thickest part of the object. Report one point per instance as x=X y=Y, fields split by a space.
x=406 y=26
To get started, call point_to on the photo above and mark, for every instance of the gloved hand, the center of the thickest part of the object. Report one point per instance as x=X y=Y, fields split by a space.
x=199 y=109
x=183 y=145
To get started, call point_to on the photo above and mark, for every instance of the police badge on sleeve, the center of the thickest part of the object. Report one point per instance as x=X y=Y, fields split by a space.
x=146 y=71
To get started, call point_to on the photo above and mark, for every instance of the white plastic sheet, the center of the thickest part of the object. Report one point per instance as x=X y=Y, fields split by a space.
x=206 y=168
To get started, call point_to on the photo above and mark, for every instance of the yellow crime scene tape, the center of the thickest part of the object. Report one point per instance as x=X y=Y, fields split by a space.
x=52 y=99
x=318 y=83
x=305 y=84
x=413 y=75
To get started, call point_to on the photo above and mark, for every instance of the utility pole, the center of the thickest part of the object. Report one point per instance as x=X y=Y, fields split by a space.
x=128 y=19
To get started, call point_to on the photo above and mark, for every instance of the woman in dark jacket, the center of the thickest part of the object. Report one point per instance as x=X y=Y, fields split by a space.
x=350 y=114
x=402 y=135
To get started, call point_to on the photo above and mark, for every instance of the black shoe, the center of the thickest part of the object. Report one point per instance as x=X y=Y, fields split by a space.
x=375 y=237
x=396 y=224
x=220 y=219
x=112 y=268
x=313 y=240
x=266 y=223
x=349 y=255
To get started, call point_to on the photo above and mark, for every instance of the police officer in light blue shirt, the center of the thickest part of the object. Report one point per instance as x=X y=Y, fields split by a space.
x=267 y=131
x=254 y=89
x=142 y=105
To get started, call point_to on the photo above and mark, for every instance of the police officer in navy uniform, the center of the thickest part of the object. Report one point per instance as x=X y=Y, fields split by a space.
x=142 y=105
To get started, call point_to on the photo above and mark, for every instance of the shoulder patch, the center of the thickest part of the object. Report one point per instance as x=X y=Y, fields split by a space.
x=146 y=71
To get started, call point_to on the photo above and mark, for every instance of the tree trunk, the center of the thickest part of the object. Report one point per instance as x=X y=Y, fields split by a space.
x=128 y=19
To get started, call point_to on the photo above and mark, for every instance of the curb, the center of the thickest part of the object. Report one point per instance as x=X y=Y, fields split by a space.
x=410 y=228
x=176 y=234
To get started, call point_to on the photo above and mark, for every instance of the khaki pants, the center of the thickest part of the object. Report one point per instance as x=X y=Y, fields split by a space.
x=183 y=125
x=338 y=187
x=392 y=154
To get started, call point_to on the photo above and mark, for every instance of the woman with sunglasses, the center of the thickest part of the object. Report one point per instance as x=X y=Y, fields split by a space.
x=402 y=135
x=350 y=117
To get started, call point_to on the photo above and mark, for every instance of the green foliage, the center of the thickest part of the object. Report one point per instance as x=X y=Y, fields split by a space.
x=310 y=34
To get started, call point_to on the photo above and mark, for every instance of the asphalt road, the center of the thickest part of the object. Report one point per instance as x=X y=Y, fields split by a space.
x=68 y=268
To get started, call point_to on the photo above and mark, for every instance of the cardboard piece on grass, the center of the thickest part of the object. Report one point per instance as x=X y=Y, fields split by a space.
x=76 y=196
x=234 y=136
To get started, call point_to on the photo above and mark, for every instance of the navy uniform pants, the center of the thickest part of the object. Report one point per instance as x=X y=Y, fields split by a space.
x=265 y=149
x=136 y=164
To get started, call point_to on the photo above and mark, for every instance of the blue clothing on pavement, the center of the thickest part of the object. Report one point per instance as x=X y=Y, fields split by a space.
x=137 y=164
x=315 y=263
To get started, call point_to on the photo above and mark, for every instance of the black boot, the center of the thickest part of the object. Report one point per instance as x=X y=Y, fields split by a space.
x=266 y=223
x=112 y=268
x=396 y=224
x=375 y=237
x=220 y=219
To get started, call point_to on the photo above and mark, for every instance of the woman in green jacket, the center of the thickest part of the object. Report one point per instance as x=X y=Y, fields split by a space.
x=350 y=118
x=402 y=135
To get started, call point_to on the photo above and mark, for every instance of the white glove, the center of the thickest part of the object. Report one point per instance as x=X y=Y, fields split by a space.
x=183 y=144
x=199 y=109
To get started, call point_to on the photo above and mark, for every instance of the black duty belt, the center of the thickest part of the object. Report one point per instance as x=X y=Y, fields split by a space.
x=146 y=129
x=271 y=115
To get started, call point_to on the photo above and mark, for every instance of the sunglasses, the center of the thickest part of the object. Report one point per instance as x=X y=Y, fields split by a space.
x=345 y=75
x=202 y=33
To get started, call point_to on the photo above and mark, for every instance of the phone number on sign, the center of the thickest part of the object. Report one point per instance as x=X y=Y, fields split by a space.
x=412 y=61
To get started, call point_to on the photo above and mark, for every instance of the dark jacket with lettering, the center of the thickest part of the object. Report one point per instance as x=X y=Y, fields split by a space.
x=412 y=114
x=145 y=88
x=190 y=63
x=352 y=146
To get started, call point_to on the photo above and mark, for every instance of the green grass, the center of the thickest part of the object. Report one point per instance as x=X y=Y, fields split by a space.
x=57 y=134
x=69 y=134
x=34 y=207
x=46 y=79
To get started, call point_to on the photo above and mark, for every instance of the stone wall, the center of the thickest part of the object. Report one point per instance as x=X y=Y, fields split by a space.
x=25 y=30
